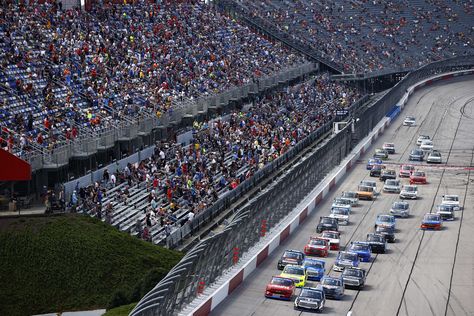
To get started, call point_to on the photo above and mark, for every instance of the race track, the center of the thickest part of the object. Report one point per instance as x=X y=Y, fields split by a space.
x=422 y=273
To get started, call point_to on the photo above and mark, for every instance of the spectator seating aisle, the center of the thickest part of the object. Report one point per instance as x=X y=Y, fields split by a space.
x=156 y=195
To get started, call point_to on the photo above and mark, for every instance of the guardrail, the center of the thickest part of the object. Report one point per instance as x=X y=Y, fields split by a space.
x=128 y=130
x=211 y=257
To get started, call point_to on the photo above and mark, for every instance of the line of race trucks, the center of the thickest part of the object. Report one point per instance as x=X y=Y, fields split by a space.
x=299 y=267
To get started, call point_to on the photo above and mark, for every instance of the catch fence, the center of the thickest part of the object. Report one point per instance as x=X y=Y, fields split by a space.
x=211 y=257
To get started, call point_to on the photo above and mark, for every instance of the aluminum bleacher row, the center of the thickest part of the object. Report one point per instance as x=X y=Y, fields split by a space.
x=126 y=213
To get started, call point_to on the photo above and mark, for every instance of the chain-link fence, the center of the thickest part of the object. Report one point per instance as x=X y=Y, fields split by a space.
x=212 y=256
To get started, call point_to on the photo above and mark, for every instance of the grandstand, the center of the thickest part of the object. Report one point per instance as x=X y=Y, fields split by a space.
x=149 y=115
x=370 y=36
x=178 y=182
x=73 y=82
x=69 y=73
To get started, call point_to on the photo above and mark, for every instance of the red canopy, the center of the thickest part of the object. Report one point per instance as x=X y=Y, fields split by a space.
x=13 y=168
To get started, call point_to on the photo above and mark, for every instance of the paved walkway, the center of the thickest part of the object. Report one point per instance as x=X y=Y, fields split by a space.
x=35 y=210
x=97 y=312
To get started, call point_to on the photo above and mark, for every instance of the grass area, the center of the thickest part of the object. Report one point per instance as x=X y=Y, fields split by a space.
x=53 y=264
x=121 y=310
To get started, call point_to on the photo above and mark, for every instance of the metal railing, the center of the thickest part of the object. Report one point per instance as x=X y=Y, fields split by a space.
x=211 y=257
x=129 y=129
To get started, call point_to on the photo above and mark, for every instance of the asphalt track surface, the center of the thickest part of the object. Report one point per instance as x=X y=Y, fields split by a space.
x=422 y=273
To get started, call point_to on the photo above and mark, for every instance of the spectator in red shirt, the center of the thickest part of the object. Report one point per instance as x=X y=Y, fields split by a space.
x=39 y=139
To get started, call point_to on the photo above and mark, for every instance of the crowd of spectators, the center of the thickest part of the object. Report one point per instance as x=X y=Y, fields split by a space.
x=62 y=70
x=371 y=35
x=222 y=154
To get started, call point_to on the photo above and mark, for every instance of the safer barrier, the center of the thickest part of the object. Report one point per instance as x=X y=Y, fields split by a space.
x=214 y=294
x=213 y=256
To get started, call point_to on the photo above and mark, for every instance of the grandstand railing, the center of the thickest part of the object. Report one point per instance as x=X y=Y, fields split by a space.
x=129 y=128
x=211 y=257
x=97 y=175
